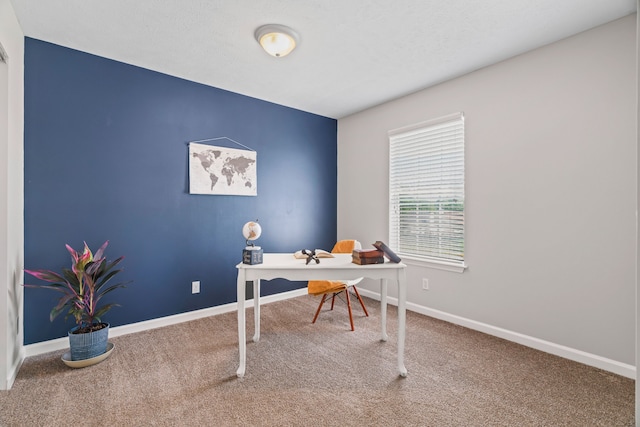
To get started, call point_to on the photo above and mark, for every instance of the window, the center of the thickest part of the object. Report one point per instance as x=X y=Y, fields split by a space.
x=426 y=191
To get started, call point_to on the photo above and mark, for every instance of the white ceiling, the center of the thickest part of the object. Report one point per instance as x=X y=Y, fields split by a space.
x=353 y=54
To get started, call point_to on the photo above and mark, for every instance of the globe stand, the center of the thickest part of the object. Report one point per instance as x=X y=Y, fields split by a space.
x=251 y=254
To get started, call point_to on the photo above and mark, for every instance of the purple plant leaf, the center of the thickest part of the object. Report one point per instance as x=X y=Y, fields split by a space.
x=92 y=267
x=74 y=254
x=100 y=252
x=46 y=275
x=62 y=304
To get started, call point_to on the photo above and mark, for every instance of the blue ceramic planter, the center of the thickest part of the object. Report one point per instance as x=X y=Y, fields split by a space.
x=89 y=345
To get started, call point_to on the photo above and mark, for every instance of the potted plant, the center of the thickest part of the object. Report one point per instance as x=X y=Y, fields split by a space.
x=83 y=286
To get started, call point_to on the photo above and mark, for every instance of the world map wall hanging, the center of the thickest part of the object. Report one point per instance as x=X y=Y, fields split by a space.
x=222 y=170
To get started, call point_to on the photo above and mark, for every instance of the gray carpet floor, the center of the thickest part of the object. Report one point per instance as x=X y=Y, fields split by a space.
x=322 y=374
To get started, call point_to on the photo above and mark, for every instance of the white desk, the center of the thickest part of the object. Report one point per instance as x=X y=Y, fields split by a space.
x=285 y=266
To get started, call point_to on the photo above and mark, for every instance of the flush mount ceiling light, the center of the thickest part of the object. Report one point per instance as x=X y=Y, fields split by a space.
x=276 y=40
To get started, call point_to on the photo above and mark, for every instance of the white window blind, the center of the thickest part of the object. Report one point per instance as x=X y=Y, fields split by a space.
x=426 y=189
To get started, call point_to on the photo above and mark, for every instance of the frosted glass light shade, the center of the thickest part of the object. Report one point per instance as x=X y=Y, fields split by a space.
x=276 y=40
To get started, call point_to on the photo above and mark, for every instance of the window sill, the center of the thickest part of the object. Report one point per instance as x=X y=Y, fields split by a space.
x=439 y=265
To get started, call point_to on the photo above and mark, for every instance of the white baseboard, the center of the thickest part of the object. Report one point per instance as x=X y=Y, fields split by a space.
x=63 y=343
x=13 y=371
x=619 y=368
x=596 y=361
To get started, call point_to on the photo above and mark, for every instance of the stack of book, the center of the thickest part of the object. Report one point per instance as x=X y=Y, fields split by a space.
x=367 y=256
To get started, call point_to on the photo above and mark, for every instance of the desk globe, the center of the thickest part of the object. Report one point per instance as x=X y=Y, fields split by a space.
x=251 y=231
x=252 y=254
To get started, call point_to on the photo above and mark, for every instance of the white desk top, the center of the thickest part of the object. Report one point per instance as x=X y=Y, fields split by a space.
x=276 y=260
x=340 y=267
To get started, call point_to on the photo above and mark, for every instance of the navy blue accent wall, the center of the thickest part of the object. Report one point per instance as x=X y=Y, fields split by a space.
x=106 y=158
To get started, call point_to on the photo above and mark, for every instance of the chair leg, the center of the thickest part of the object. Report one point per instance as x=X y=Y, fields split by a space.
x=333 y=299
x=366 y=313
x=349 y=306
x=319 y=307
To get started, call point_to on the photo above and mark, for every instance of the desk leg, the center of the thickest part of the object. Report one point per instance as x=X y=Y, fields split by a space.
x=402 y=320
x=383 y=309
x=242 y=339
x=256 y=309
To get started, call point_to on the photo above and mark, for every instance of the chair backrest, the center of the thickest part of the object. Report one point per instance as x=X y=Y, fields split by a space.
x=344 y=246
x=341 y=247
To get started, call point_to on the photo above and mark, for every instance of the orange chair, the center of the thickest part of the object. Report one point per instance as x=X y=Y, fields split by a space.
x=328 y=288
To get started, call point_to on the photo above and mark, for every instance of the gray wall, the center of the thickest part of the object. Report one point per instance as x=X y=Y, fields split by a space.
x=550 y=194
x=637 y=209
x=11 y=194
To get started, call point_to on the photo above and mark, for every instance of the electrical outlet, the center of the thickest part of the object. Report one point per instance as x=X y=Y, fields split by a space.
x=425 y=284
x=195 y=287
